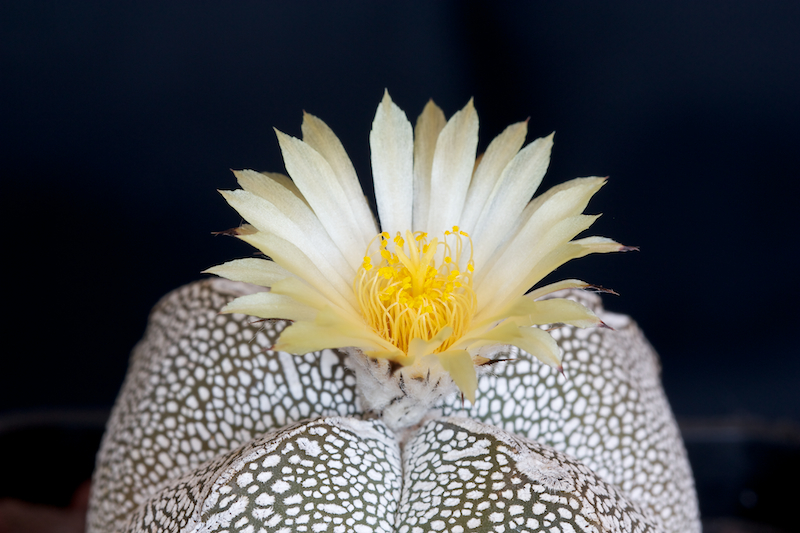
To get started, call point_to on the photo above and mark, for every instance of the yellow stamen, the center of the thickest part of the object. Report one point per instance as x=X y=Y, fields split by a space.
x=418 y=288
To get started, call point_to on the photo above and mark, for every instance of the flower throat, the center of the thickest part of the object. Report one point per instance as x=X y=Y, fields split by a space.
x=416 y=288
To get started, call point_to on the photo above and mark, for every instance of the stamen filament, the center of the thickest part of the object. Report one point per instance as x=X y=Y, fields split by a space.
x=405 y=295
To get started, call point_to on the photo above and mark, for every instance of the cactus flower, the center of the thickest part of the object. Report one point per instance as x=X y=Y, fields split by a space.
x=444 y=280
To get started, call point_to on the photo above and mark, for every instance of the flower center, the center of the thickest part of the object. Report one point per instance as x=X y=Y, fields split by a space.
x=417 y=288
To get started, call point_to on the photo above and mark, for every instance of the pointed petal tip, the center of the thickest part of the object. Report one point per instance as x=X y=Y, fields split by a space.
x=623 y=248
x=600 y=288
x=280 y=135
x=232 y=232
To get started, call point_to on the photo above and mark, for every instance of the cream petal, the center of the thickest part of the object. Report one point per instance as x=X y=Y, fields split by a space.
x=453 y=163
x=575 y=250
x=535 y=222
x=317 y=181
x=331 y=330
x=273 y=187
x=541 y=345
x=419 y=347
x=320 y=276
x=286 y=181
x=321 y=138
x=269 y=305
x=558 y=286
x=251 y=270
x=459 y=365
x=555 y=311
x=487 y=333
x=519 y=267
x=263 y=183
x=537 y=202
x=500 y=152
x=429 y=125
x=292 y=220
x=533 y=340
x=510 y=195
x=392 y=150
x=529 y=312
x=570 y=185
x=302 y=292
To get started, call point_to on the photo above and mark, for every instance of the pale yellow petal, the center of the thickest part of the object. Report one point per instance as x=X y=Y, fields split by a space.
x=520 y=266
x=269 y=305
x=331 y=330
x=321 y=138
x=541 y=345
x=250 y=270
x=535 y=223
x=264 y=184
x=320 y=276
x=553 y=311
x=533 y=340
x=575 y=250
x=459 y=365
x=510 y=195
x=320 y=187
x=429 y=125
x=540 y=200
x=500 y=152
x=558 y=286
x=286 y=181
x=418 y=347
x=290 y=219
x=306 y=294
x=272 y=187
x=526 y=311
x=392 y=151
x=453 y=163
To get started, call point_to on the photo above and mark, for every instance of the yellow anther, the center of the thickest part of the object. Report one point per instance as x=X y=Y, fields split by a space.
x=414 y=292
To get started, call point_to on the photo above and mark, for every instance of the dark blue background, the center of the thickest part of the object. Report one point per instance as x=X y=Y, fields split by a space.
x=119 y=120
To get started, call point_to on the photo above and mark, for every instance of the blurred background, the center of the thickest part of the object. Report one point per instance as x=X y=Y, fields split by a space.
x=120 y=120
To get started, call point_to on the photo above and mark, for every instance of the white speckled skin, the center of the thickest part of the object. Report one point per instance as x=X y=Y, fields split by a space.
x=205 y=403
x=610 y=412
